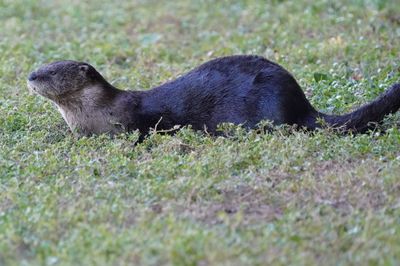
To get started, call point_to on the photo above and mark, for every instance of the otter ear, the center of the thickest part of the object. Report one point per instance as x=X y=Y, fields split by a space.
x=83 y=68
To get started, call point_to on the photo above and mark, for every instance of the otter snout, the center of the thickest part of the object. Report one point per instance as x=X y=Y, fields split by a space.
x=32 y=76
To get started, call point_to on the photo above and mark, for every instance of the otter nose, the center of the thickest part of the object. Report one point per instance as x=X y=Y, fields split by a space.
x=32 y=76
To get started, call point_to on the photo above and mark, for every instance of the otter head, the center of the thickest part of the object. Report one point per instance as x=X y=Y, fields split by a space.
x=83 y=97
x=60 y=80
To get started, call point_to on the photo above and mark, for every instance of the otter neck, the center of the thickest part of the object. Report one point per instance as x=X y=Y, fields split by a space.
x=92 y=110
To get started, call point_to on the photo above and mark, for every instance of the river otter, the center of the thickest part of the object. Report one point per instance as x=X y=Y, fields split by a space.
x=238 y=89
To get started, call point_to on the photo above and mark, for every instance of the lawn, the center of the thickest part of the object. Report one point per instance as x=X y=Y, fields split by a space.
x=250 y=198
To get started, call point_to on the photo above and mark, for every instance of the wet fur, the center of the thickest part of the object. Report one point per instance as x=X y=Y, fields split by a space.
x=238 y=89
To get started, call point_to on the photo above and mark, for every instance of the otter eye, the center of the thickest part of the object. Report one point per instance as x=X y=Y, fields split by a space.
x=53 y=73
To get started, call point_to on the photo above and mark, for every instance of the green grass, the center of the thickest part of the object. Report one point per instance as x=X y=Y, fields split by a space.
x=285 y=197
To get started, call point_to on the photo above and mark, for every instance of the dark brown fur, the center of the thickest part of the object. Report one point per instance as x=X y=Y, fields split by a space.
x=238 y=89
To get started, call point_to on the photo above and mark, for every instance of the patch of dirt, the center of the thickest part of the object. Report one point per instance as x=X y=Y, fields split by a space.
x=244 y=204
x=343 y=186
x=350 y=185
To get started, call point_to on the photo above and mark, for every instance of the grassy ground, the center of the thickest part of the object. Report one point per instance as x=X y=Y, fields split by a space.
x=190 y=199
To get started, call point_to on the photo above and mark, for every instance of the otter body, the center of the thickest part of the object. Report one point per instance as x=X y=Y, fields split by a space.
x=238 y=89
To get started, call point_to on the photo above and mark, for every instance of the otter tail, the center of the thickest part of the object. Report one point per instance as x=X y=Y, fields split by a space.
x=367 y=115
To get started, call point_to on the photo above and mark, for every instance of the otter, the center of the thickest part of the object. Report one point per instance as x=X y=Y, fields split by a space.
x=242 y=89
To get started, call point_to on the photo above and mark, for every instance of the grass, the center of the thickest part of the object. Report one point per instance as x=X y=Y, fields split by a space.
x=286 y=197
